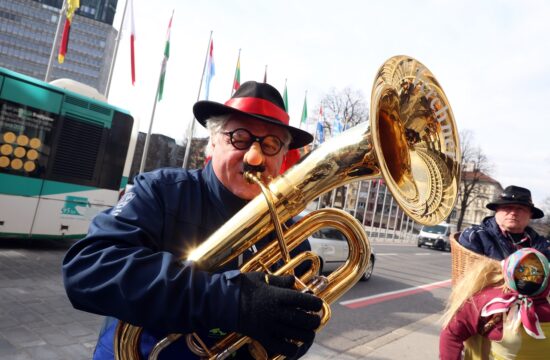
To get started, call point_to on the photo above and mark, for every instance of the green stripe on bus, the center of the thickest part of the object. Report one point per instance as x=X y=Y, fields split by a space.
x=55 y=187
x=27 y=186
x=123 y=182
x=41 y=236
x=20 y=185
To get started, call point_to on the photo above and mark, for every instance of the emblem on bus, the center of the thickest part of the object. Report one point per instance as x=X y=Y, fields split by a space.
x=72 y=205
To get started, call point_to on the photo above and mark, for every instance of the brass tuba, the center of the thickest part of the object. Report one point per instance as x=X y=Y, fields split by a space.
x=411 y=142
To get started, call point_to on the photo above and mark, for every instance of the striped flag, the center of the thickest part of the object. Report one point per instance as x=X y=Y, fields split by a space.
x=210 y=68
x=237 y=78
x=320 y=128
x=132 y=39
x=304 y=112
x=285 y=98
x=165 y=60
x=72 y=6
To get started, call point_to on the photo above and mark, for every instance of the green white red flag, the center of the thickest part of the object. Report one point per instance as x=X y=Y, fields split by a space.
x=165 y=60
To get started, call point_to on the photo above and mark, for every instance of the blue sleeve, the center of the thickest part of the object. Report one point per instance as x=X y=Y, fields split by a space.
x=120 y=269
x=470 y=239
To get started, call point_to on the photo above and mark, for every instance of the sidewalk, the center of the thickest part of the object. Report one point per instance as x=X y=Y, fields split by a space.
x=417 y=341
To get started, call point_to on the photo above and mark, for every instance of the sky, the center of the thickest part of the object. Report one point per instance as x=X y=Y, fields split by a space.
x=492 y=59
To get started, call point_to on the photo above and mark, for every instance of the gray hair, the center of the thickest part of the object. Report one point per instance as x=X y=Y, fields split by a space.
x=216 y=124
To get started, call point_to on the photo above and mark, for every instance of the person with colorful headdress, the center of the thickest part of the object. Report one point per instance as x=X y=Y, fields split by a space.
x=499 y=310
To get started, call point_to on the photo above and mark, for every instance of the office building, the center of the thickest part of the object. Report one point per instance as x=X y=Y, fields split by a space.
x=27 y=31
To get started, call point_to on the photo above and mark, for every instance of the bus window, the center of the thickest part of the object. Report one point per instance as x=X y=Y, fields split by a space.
x=25 y=139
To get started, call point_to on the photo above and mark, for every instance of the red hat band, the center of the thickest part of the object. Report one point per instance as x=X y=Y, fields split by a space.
x=259 y=107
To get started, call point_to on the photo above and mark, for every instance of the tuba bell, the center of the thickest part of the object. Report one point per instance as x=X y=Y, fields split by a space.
x=411 y=143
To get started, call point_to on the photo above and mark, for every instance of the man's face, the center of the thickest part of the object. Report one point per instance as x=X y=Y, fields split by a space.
x=513 y=218
x=227 y=161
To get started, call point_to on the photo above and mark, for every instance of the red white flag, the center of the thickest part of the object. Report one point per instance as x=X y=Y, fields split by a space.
x=132 y=39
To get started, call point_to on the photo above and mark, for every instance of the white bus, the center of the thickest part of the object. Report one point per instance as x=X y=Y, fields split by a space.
x=65 y=155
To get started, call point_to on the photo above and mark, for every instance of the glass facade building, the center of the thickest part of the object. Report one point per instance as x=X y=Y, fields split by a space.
x=27 y=31
x=100 y=10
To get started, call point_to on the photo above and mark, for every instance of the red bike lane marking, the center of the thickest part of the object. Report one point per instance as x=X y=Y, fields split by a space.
x=374 y=299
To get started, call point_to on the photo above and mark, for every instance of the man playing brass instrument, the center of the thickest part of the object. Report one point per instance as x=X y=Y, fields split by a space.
x=129 y=265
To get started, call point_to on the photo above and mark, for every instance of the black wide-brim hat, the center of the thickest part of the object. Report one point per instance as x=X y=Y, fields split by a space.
x=518 y=196
x=256 y=101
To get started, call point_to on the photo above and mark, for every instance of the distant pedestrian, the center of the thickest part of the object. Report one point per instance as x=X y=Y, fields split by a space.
x=508 y=230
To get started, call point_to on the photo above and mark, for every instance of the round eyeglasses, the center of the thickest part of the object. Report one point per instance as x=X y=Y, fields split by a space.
x=242 y=139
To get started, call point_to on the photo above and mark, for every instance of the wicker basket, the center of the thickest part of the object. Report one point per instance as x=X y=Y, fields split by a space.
x=461 y=258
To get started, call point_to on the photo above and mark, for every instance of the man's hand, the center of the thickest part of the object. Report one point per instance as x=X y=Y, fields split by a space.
x=274 y=314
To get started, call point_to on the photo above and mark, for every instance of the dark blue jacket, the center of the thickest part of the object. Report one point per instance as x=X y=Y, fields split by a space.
x=487 y=239
x=129 y=265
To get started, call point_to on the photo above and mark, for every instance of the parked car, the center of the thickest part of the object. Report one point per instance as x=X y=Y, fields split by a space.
x=436 y=236
x=332 y=248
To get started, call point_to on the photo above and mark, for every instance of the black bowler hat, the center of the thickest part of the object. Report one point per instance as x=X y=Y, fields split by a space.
x=519 y=196
x=258 y=101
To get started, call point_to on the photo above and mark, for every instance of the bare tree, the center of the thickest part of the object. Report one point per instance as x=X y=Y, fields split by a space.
x=475 y=166
x=350 y=108
x=348 y=105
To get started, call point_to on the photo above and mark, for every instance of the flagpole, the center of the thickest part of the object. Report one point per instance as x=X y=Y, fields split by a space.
x=115 y=53
x=148 y=136
x=265 y=75
x=55 y=39
x=237 y=68
x=191 y=127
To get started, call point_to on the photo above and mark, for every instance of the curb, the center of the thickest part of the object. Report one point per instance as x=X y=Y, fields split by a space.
x=360 y=351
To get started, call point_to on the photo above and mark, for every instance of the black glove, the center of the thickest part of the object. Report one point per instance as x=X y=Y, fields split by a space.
x=274 y=313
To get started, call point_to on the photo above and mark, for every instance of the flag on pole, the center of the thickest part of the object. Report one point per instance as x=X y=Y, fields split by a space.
x=210 y=68
x=165 y=59
x=337 y=125
x=132 y=39
x=320 y=128
x=304 y=112
x=265 y=74
x=72 y=6
x=285 y=98
x=237 y=78
x=320 y=132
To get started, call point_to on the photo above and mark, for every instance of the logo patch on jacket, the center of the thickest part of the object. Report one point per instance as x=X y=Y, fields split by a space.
x=129 y=196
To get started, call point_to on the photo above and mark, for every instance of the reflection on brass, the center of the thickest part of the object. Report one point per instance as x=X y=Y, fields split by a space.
x=22 y=140
x=35 y=143
x=32 y=154
x=4 y=161
x=19 y=152
x=16 y=164
x=29 y=166
x=9 y=137
x=411 y=142
x=6 y=149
